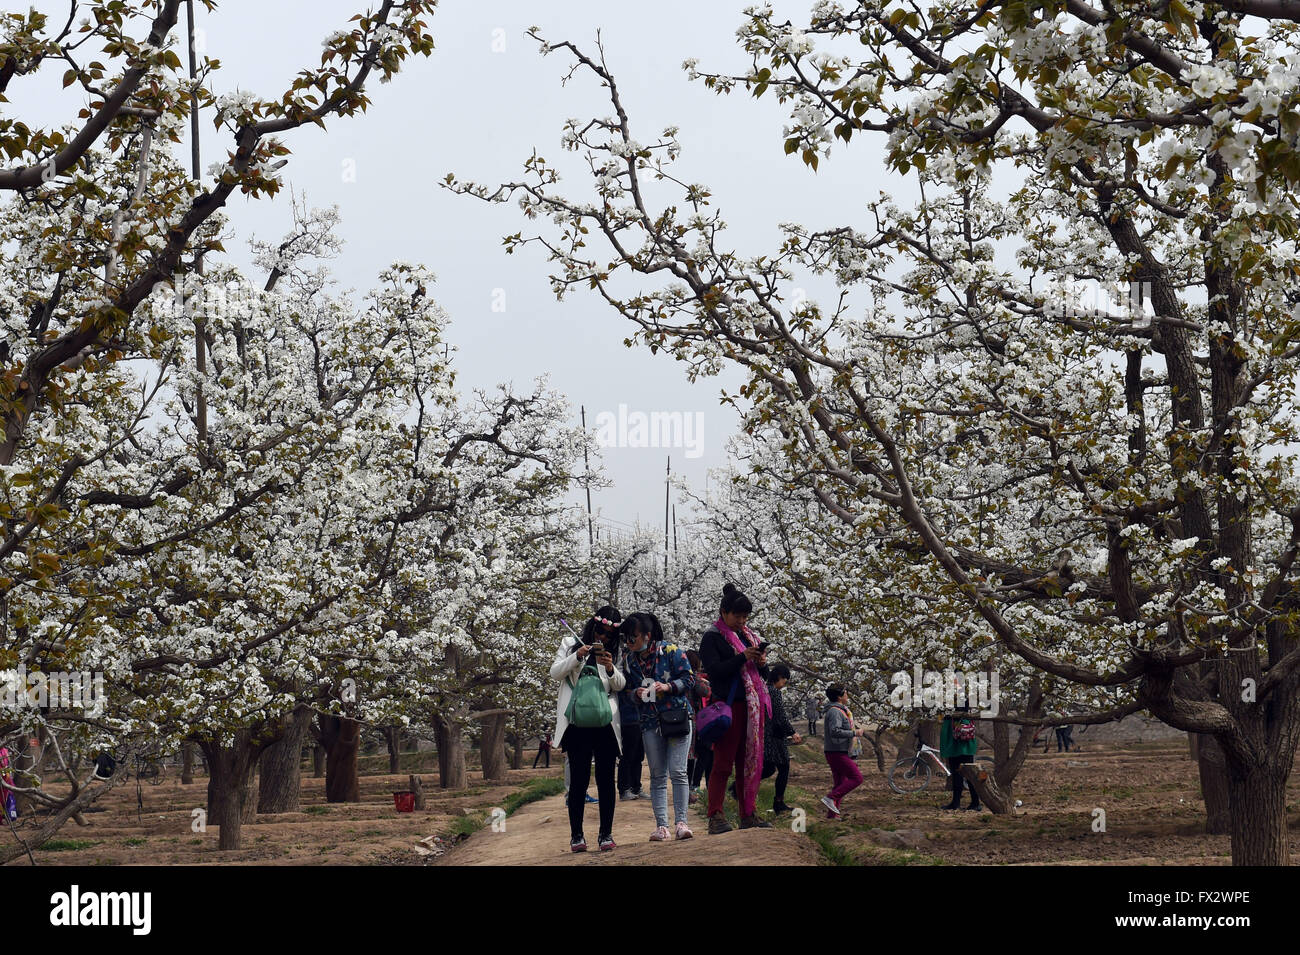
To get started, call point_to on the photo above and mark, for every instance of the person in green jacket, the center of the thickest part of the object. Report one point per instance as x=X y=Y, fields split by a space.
x=956 y=752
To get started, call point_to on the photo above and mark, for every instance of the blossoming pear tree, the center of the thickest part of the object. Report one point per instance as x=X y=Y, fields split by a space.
x=1144 y=438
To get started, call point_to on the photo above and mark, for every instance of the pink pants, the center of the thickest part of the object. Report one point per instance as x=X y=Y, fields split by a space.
x=844 y=775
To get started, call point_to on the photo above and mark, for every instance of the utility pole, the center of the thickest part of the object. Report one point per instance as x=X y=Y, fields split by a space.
x=591 y=535
x=668 y=478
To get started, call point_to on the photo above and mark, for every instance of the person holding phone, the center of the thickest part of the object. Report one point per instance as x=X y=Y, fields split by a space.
x=661 y=679
x=598 y=645
x=736 y=663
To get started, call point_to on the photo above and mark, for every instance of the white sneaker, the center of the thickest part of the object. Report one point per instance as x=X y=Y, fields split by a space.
x=659 y=835
x=684 y=831
x=829 y=803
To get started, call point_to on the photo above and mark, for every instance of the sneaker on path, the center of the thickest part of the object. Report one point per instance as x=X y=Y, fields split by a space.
x=829 y=803
x=753 y=822
x=684 y=831
x=718 y=824
x=590 y=798
x=627 y=794
x=659 y=835
x=606 y=842
x=578 y=845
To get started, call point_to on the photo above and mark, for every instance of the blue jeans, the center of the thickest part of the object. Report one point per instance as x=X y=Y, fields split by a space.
x=667 y=757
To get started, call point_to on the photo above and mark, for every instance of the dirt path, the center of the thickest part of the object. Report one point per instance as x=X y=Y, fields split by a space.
x=538 y=834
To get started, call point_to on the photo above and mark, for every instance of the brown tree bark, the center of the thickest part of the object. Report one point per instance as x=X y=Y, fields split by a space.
x=451 y=753
x=1213 y=771
x=230 y=783
x=280 y=769
x=341 y=738
x=986 y=785
x=417 y=786
x=187 y=764
x=1257 y=807
x=393 y=739
x=492 y=749
x=516 y=750
x=317 y=761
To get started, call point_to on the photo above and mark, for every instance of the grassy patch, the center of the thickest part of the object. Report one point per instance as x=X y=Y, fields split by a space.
x=466 y=825
x=65 y=845
x=316 y=810
x=135 y=841
x=532 y=791
x=1119 y=792
x=825 y=838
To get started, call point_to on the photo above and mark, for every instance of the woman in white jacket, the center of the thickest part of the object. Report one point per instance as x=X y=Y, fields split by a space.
x=600 y=642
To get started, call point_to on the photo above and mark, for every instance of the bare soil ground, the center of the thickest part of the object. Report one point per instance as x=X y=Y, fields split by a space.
x=366 y=833
x=1150 y=795
x=538 y=834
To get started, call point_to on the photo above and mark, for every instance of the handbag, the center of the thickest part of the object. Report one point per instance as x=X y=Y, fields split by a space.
x=715 y=719
x=674 y=721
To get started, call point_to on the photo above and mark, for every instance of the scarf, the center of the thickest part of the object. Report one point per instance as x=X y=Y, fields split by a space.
x=757 y=705
x=846 y=711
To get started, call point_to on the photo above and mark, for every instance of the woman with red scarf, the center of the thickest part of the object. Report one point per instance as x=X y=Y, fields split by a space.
x=737 y=669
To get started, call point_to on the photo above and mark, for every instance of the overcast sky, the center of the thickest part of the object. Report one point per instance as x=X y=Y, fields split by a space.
x=478 y=110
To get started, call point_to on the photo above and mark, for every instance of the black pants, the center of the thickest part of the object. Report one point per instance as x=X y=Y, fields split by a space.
x=629 y=764
x=782 y=771
x=583 y=743
x=1064 y=736
x=703 y=764
x=812 y=727
x=958 y=780
x=543 y=751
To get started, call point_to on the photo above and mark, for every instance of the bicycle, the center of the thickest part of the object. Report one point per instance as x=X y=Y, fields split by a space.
x=911 y=774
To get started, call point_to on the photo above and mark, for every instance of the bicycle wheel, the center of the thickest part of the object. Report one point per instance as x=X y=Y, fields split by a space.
x=910 y=775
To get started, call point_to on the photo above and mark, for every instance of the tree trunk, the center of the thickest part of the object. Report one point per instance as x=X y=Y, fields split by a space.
x=341 y=738
x=451 y=753
x=317 y=761
x=393 y=737
x=1257 y=808
x=984 y=783
x=1213 y=769
x=417 y=787
x=281 y=767
x=230 y=782
x=492 y=749
x=516 y=750
x=877 y=743
x=187 y=764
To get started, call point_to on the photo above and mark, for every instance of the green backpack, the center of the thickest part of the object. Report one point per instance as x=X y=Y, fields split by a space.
x=589 y=705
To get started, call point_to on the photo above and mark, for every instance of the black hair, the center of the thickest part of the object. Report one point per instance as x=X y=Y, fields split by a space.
x=609 y=613
x=635 y=625
x=656 y=630
x=779 y=672
x=733 y=601
x=834 y=692
x=693 y=658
